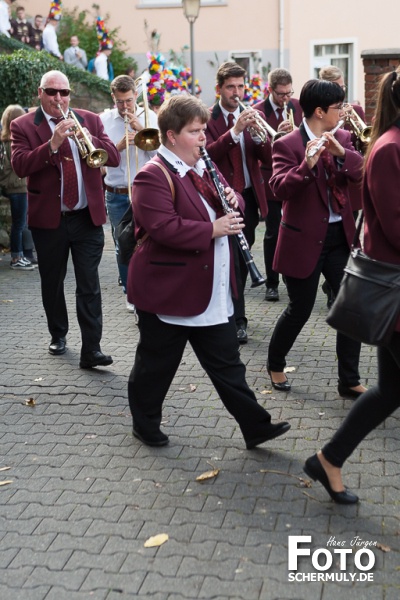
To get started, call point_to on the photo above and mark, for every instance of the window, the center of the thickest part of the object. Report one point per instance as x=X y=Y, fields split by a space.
x=336 y=53
x=249 y=60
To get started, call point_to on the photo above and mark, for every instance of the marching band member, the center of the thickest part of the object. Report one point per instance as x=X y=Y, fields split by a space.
x=66 y=210
x=317 y=225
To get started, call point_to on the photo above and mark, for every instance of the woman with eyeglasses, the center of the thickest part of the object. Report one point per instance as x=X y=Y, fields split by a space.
x=381 y=205
x=317 y=225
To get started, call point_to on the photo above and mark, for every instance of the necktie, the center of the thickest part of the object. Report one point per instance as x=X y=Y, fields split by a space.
x=237 y=162
x=279 y=110
x=203 y=186
x=338 y=200
x=70 y=179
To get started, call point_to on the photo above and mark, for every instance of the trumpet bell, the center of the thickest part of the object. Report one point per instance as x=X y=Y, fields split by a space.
x=97 y=158
x=147 y=139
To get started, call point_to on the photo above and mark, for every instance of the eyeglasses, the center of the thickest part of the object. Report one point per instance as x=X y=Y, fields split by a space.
x=122 y=102
x=340 y=107
x=283 y=94
x=53 y=92
x=344 y=87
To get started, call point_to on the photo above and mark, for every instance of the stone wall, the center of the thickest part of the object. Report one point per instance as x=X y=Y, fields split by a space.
x=376 y=63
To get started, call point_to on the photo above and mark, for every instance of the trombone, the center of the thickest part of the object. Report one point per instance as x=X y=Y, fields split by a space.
x=359 y=128
x=95 y=157
x=148 y=138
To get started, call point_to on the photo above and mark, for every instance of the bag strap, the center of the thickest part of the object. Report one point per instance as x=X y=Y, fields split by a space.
x=357 y=232
x=172 y=188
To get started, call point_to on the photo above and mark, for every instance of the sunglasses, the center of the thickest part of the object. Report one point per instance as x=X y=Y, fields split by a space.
x=54 y=92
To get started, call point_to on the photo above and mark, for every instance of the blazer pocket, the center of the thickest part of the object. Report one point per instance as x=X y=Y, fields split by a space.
x=291 y=227
x=167 y=264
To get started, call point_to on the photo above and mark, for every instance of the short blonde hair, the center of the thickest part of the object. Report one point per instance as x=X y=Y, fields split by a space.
x=10 y=113
x=330 y=73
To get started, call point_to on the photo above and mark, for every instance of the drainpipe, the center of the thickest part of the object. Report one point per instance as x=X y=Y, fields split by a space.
x=281 y=34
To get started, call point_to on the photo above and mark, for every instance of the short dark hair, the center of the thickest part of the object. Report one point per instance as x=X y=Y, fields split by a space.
x=279 y=77
x=319 y=93
x=178 y=111
x=229 y=69
x=122 y=83
x=19 y=8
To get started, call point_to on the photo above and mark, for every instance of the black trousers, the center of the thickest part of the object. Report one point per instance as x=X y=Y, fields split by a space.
x=302 y=295
x=370 y=409
x=270 y=240
x=251 y=220
x=158 y=355
x=76 y=233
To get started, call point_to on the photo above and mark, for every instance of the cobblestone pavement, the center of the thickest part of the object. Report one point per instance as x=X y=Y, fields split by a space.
x=85 y=495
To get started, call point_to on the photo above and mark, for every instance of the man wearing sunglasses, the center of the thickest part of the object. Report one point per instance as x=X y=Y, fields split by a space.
x=66 y=210
x=280 y=97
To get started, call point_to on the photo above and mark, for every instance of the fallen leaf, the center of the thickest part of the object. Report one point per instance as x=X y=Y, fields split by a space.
x=7 y=301
x=30 y=402
x=192 y=387
x=289 y=369
x=383 y=548
x=5 y=468
x=6 y=482
x=38 y=379
x=207 y=475
x=156 y=540
x=266 y=392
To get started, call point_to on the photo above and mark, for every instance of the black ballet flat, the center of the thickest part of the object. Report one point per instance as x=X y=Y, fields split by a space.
x=283 y=386
x=316 y=471
x=347 y=392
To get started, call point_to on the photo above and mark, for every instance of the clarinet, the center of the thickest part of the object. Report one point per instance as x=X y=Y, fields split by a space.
x=255 y=275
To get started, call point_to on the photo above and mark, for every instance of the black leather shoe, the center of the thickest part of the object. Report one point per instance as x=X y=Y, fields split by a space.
x=155 y=439
x=271 y=295
x=274 y=430
x=242 y=335
x=57 y=346
x=347 y=392
x=95 y=359
x=316 y=471
x=283 y=386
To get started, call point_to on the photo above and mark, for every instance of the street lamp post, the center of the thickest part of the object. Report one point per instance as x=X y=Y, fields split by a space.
x=191 y=9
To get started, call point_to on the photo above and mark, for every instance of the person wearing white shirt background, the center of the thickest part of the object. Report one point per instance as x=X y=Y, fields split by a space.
x=117 y=180
x=5 y=25
x=50 y=42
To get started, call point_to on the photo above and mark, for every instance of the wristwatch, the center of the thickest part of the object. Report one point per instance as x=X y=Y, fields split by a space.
x=52 y=151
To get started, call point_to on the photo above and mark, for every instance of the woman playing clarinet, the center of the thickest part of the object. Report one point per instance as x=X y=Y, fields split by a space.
x=311 y=170
x=181 y=279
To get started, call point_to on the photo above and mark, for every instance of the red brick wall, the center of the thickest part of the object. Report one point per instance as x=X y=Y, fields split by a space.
x=376 y=63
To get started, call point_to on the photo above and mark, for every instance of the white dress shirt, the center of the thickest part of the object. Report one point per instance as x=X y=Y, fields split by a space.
x=238 y=139
x=114 y=127
x=220 y=307
x=50 y=43
x=101 y=65
x=71 y=58
x=5 y=24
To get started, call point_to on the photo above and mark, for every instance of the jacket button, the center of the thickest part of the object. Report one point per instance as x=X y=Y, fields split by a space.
x=324 y=220
x=205 y=267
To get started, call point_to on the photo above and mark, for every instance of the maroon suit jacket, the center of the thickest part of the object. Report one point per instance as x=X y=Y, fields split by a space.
x=171 y=273
x=220 y=143
x=305 y=215
x=31 y=158
x=269 y=115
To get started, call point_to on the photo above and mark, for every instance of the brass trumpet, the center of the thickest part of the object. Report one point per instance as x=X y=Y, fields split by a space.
x=148 y=138
x=359 y=128
x=263 y=129
x=95 y=158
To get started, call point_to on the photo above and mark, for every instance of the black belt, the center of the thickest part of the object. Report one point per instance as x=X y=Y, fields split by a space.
x=73 y=213
x=117 y=190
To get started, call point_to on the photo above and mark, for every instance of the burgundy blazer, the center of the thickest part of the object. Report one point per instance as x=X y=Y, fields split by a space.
x=269 y=115
x=171 y=273
x=31 y=158
x=305 y=207
x=220 y=143
x=381 y=199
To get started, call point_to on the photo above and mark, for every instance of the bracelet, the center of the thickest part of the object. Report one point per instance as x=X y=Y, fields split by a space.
x=52 y=151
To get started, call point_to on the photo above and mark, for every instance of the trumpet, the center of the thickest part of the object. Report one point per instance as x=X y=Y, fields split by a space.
x=148 y=138
x=95 y=158
x=263 y=129
x=359 y=128
x=322 y=141
x=255 y=275
x=289 y=114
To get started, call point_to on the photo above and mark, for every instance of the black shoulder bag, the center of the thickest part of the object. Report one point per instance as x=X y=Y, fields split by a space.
x=367 y=305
